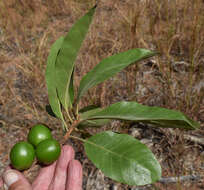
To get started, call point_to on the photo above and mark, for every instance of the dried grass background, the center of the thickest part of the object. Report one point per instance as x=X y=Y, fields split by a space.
x=173 y=79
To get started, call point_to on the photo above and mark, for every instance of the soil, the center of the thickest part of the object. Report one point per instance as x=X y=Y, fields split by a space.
x=23 y=97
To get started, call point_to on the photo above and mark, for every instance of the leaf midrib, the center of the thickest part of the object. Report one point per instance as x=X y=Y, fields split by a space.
x=101 y=147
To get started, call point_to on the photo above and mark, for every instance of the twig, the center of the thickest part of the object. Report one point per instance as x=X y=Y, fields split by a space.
x=74 y=124
x=194 y=139
x=166 y=180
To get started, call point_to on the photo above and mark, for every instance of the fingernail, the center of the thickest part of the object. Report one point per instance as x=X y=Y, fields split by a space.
x=10 y=177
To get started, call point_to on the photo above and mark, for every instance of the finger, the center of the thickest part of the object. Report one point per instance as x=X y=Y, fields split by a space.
x=74 y=179
x=1 y=182
x=1 y=179
x=44 y=178
x=60 y=175
x=14 y=180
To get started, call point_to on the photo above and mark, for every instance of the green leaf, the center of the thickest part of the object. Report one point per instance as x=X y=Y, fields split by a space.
x=110 y=66
x=89 y=110
x=71 y=89
x=123 y=158
x=51 y=78
x=93 y=123
x=137 y=112
x=68 y=54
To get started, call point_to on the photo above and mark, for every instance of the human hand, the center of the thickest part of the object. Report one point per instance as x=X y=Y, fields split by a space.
x=64 y=174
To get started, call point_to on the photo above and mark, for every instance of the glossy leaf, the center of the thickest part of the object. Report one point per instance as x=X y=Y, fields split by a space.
x=110 y=66
x=50 y=77
x=123 y=158
x=68 y=54
x=137 y=112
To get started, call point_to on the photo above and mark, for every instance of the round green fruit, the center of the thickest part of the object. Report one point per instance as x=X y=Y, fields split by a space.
x=22 y=155
x=39 y=133
x=48 y=151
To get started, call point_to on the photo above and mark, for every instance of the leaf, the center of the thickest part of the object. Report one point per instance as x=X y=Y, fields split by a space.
x=137 y=112
x=110 y=66
x=51 y=78
x=68 y=54
x=88 y=108
x=92 y=123
x=123 y=158
x=89 y=111
x=71 y=89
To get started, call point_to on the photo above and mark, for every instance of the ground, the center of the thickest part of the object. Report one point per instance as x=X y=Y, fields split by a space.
x=173 y=79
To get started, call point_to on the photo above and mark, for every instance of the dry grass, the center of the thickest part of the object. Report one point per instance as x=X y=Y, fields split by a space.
x=174 y=79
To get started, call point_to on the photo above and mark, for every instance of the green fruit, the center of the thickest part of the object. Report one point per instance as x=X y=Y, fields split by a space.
x=22 y=155
x=39 y=133
x=48 y=151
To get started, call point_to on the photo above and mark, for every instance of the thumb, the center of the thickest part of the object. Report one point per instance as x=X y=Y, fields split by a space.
x=1 y=182
x=14 y=180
